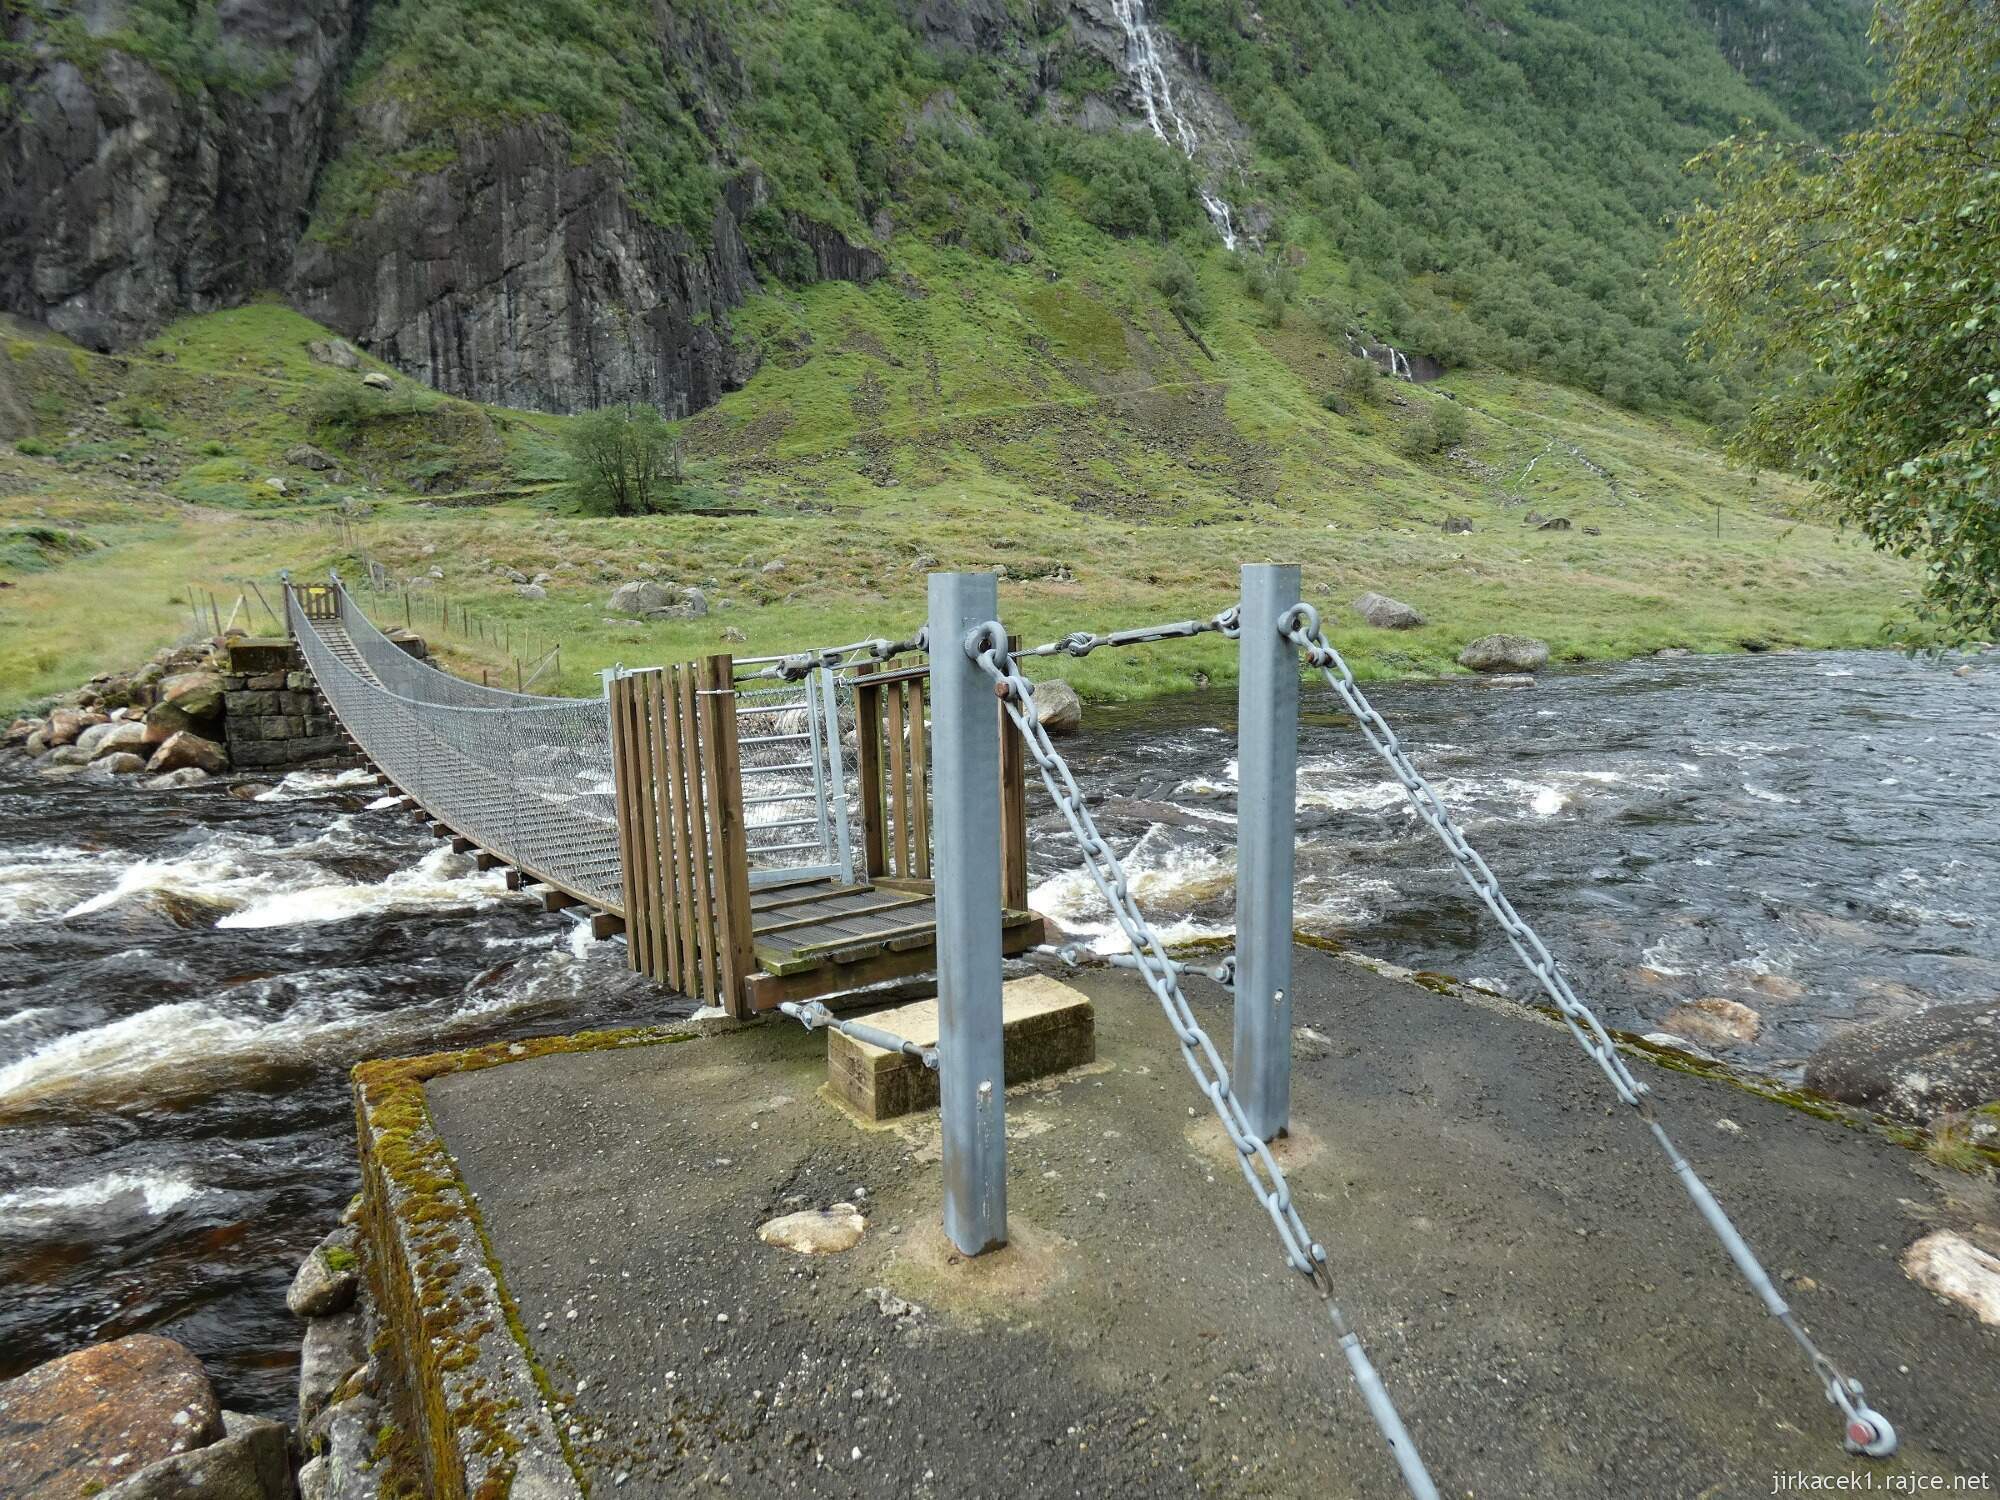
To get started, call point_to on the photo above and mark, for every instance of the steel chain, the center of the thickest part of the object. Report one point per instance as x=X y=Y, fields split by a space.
x=1867 y=1430
x=790 y=668
x=987 y=645
x=1082 y=642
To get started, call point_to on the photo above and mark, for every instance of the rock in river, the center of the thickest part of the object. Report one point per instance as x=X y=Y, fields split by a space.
x=327 y=1278
x=1505 y=653
x=78 y=1424
x=1915 y=1067
x=1058 y=707
x=186 y=748
x=1715 y=1023
x=252 y=1460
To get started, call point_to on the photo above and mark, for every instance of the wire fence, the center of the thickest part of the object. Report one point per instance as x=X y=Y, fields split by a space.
x=527 y=778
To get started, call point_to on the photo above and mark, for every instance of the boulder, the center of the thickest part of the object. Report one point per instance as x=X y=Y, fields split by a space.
x=327 y=1278
x=125 y=737
x=121 y=763
x=19 y=731
x=640 y=597
x=334 y=1348
x=273 y=482
x=137 y=1400
x=65 y=724
x=1385 y=613
x=776 y=565
x=169 y=781
x=1057 y=707
x=732 y=636
x=1505 y=653
x=1915 y=1067
x=69 y=755
x=1457 y=525
x=38 y=743
x=1715 y=1022
x=1554 y=523
x=531 y=591
x=815 y=1231
x=306 y=456
x=337 y=353
x=695 y=602
x=376 y=380
x=197 y=696
x=251 y=1461
x=186 y=748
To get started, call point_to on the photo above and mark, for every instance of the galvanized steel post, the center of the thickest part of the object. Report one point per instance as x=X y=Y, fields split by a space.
x=1267 y=763
x=965 y=823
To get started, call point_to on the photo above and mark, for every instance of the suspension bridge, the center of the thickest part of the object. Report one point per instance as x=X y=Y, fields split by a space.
x=783 y=833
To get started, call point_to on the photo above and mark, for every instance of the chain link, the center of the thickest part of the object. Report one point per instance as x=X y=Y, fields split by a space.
x=835 y=658
x=1866 y=1430
x=1082 y=642
x=987 y=645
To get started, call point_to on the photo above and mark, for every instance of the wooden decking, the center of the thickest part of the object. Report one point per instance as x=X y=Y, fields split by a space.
x=815 y=937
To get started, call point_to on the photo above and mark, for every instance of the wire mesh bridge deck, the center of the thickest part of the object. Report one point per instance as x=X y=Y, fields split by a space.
x=758 y=836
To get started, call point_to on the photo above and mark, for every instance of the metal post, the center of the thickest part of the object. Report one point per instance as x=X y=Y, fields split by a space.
x=965 y=762
x=1267 y=760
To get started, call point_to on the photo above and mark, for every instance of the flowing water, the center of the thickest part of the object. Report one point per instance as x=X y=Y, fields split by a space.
x=185 y=978
x=1813 y=835
x=184 y=981
x=1147 y=68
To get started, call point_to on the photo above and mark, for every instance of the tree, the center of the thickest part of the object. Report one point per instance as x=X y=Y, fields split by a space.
x=1857 y=286
x=620 y=460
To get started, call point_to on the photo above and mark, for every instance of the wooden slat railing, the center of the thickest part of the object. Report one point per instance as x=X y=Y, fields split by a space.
x=680 y=830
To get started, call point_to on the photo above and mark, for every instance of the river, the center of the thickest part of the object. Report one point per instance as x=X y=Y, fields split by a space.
x=185 y=978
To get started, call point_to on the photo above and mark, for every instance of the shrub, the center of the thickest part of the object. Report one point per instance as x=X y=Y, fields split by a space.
x=1175 y=280
x=621 y=461
x=1444 y=425
x=33 y=448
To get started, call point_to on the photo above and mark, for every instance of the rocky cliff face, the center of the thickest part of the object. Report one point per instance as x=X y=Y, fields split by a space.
x=516 y=274
x=127 y=195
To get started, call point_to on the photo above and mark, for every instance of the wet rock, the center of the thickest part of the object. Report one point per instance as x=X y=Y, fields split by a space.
x=20 y=730
x=125 y=737
x=1669 y=653
x=251 y=1461
x=1716 y=1022
x=1505 y=653
x=187 y=748
x=376 y=380
x=1674 y=1043
x=78 y=1424
x=1953 y=1267
x=170 y=781
x=65 y=724
x=640 y=597
x=1385 y=613
x=327 y=1278
x=249 y=791
x=531 y=591
x=69 y=755
x=197 y=695
x=816 y=1231
x=38 y=743
x=1510 y=680
x=334 y=1348
x=120 y=763
x=1057 y=707
x=1914 y=1067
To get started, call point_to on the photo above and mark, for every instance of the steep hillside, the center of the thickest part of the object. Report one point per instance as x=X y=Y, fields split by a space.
x=555 y=206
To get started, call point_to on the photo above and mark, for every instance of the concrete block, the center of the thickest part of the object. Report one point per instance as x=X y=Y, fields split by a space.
x=1048 y=1028
x=256 y=656
x=268 y=682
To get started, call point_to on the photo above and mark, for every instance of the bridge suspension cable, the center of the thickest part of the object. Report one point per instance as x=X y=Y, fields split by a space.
x=1866 y=1431
x=987 y=646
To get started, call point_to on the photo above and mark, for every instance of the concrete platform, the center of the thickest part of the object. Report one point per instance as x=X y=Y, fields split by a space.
x=1535 y=1287
x=1046 y=1027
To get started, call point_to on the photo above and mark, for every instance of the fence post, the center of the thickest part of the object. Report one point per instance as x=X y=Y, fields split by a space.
x=966 y=822
x=1267 y=760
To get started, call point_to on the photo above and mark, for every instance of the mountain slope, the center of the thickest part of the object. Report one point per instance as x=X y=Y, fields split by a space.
x=561 y=205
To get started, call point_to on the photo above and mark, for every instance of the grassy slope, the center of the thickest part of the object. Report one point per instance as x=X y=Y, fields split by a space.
x=1033 y=417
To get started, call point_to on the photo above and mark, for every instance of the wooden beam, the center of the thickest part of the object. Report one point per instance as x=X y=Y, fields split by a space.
x=604 y=925
x=726 y=834
x=462 y=845
x=768 y=991
x=487 y=861
x=555 y=900
x=868 y=767
x=843 y=915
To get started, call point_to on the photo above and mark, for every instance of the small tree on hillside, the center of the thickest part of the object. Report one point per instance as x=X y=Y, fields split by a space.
x=621 y=461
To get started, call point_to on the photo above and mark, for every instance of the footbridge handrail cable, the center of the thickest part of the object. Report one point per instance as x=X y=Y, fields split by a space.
x=987 y=646
x=1866 y=1430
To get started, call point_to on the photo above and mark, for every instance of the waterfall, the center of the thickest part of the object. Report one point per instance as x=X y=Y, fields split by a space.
x=1399 y=364
x=1148 y=70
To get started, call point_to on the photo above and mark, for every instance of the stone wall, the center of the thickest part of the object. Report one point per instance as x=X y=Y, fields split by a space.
x=275 y=717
